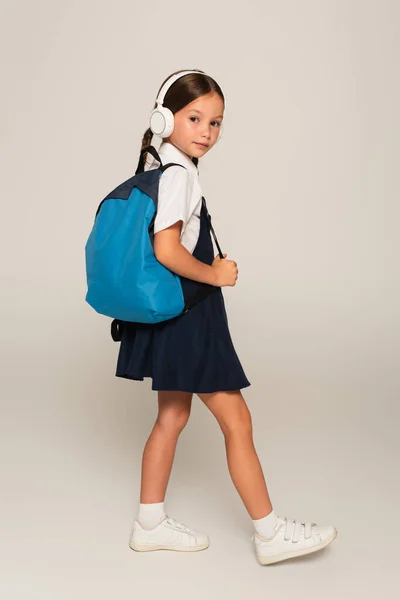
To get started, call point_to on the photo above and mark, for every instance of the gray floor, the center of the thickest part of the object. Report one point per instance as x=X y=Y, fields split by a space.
x=70 y=485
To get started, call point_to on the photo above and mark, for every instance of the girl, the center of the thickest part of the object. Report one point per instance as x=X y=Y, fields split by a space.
x=194 y=353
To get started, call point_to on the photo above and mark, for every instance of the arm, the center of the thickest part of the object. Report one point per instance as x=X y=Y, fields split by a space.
x=172 y=254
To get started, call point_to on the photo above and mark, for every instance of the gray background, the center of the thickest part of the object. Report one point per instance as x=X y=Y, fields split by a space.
x=303 y=189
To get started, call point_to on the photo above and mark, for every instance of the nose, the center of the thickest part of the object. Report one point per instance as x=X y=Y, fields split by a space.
x=207 y=132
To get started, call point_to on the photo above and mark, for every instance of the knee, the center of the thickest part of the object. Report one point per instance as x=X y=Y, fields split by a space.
x=238 y=424
x=173 y=420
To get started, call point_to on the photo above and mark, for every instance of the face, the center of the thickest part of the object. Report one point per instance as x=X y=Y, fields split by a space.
x=197 y=125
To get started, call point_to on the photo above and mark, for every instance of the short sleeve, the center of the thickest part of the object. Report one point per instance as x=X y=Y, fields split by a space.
x=174 y=195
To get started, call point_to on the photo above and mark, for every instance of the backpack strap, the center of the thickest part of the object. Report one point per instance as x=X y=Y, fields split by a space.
x=211 y=227
x=116 y=330
x=151 y=150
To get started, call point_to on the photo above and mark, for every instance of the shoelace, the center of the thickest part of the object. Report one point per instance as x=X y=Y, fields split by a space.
x=293 y=529
x=179 y=525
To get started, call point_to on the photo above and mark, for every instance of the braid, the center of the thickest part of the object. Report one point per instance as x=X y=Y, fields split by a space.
x=146 y=141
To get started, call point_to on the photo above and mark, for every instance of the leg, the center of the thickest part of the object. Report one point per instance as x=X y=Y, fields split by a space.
x=158 y=454
x=233 y=416
x=154 y=529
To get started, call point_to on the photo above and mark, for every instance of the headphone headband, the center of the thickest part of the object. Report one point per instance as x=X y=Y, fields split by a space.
x=169 y=82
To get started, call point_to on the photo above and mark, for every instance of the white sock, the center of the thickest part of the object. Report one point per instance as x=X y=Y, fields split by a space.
x=151 y=514
x=265 y=525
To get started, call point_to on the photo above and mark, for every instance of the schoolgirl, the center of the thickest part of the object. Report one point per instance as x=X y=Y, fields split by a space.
x=194 y=353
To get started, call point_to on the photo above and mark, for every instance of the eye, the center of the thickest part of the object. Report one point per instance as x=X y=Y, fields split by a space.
x=217 y=123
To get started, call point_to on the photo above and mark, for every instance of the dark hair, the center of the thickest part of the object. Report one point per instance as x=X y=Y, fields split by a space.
x=183 y=91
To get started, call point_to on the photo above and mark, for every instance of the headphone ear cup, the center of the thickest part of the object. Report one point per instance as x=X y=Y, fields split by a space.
x=162 y=121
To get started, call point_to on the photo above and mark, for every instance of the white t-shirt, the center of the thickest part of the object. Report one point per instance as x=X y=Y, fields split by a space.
x=179 y=194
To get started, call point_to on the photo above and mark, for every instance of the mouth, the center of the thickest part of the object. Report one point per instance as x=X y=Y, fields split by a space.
x=202 y=145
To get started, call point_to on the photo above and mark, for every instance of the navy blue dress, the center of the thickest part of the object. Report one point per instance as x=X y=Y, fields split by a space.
x=192 y=352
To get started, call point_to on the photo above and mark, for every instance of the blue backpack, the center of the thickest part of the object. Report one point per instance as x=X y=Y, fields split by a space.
x=125 y=280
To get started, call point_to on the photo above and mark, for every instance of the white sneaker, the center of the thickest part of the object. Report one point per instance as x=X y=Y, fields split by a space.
x=292 y=538
x=168 y=535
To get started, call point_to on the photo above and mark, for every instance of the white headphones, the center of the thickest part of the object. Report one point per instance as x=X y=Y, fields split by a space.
x=162 y=118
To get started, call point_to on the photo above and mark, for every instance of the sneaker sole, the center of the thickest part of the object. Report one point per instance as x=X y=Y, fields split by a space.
x=144 y=548
x=268 y=560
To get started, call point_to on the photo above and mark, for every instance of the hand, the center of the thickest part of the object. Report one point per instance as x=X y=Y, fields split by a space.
x=226 y=271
